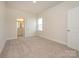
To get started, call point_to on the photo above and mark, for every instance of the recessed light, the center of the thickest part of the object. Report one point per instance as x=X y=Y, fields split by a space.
x=34 y=1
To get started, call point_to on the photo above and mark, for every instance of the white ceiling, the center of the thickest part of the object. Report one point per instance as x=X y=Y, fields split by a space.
x=29 y=6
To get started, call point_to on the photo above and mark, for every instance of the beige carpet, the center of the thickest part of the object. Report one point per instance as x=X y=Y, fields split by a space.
x=36 y=47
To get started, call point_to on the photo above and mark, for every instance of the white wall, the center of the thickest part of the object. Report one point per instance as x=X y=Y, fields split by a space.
x=12 y=15
x=2 y=25
x=30 y=26
x=55 y=22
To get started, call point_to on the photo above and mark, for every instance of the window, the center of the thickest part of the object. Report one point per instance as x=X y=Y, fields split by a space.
x=40 y=24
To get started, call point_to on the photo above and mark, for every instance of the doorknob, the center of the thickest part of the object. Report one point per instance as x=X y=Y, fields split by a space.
x=68 y=30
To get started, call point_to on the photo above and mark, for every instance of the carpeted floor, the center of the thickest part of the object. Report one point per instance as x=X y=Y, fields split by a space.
x=36 y=47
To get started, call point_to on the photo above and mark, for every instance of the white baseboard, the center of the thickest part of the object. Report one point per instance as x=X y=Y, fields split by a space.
x=11 y=38
x=53 y=39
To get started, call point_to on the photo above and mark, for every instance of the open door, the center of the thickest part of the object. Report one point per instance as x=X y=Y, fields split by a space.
x=20 y=28
x=73 y=28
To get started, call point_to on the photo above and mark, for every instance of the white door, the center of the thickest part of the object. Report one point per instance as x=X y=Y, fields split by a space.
x=73 y=28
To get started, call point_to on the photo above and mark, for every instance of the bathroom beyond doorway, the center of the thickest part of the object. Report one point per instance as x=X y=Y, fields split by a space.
x=20 y=27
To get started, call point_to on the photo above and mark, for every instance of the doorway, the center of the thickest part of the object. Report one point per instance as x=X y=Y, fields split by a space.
x=20 y=28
